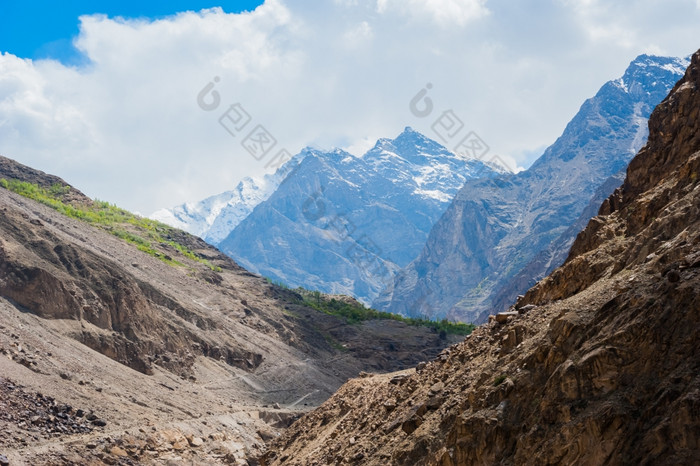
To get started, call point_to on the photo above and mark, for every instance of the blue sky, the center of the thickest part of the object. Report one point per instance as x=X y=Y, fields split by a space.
x=31 y=29
x=122 y=120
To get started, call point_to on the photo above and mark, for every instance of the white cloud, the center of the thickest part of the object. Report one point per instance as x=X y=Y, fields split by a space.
x=443 y=12
x=360 y=146
x=358 y=35
x=618 y=24
x=127 y=128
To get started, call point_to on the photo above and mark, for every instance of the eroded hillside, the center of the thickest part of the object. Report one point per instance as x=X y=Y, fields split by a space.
x=157 y=336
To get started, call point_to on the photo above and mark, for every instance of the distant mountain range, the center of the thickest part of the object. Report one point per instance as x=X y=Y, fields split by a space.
x=501 y=235
x=345 y=224
x=373 y=226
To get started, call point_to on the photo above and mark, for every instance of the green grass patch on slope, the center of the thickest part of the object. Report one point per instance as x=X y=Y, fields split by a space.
x=119 y=222
x=355 y=312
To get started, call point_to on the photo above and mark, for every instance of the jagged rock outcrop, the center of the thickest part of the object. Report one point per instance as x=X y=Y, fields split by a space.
x=499 y=236
x=599 y=365
x=548 y=259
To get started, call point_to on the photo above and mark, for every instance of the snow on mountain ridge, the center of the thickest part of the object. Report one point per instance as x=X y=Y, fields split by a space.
x=213 y=218
x=645 y=66
x=499 y=235
x=345 y=224
x=411 y=157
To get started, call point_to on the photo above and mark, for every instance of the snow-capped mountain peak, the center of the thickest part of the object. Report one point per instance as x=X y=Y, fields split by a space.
x=216 y=216
x=369 y=215
x=491 y=244
x=646 y=72
x=433 y=173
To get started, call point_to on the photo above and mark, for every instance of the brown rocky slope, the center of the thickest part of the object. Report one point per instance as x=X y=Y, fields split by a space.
x=600 y=365
x=156 y=349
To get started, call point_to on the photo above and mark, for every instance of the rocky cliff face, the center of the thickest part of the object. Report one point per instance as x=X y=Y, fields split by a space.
x=549 y=258
x=501 y=235
x=344 y=224
x=181 y=338
x=597 y=364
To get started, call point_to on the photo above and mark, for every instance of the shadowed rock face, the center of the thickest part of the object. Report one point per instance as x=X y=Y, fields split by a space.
x=500 y=236
x=599 y=366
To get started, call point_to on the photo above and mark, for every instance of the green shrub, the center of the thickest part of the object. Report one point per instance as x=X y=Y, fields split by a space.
x=355 y=312
x=499 y=380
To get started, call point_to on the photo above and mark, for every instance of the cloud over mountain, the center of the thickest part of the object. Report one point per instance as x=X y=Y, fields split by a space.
x=337 y=74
